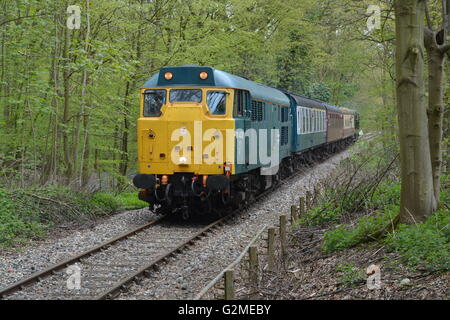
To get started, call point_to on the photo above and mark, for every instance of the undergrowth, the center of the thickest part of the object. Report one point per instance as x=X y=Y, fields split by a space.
x=372 y=193
x=349 y=275
x=28 y=213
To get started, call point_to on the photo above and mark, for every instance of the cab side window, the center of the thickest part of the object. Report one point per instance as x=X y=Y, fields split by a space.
x=241 y=103
x=238 y=103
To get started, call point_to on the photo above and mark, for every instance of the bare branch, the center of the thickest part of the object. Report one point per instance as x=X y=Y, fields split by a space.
x=21 y=18
x=445 y=48
x=427 y=14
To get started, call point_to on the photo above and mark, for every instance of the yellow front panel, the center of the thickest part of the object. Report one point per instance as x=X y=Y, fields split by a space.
x=180 y=130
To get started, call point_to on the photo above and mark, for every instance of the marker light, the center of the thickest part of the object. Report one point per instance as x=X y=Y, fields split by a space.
x=203 y=75
x=182 y=161
x=168 y=75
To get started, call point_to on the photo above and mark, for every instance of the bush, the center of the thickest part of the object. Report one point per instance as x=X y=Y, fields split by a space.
x=350 y=275
x=325 y=212
x=366 y=229
x=130 y=200
x=17 y=227
x=106 y=200
x=27 y=213
x=425 y=245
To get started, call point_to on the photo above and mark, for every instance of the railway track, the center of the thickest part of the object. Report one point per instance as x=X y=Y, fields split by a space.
x=112 y=267
x=146 y=270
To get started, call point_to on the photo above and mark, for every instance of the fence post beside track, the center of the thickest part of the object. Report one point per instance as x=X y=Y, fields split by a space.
x=308 y=200
x=229 y=285
x=253 y=270
x=283 y=234
x=302 y=207
x=294 y=216
x=316 y=195
x=271 y=249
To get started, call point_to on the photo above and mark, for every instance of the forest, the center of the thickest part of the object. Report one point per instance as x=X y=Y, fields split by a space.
x=71 y=73
x=69 y=97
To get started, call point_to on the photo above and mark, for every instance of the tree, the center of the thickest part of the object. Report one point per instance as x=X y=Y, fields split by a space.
x=417 y=197
x=437 y=50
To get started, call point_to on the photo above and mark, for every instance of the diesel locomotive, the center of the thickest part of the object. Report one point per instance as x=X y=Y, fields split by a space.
x=209 y=140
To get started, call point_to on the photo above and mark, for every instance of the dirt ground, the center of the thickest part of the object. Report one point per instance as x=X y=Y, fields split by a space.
x=307 y=273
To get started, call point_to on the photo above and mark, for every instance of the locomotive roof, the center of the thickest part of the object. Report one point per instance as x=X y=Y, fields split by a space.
x=188 y=76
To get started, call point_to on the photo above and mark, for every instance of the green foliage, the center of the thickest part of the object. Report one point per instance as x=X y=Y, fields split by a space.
x=425 y=245
x=16 y=227
x=130 y=200
x=126 y=200
x=28 y=212
x=322 y=213
x=289 y=44
x=367 y=228
x=106 y=200
x=319 y=90
x=331 y=209
x=350 y=275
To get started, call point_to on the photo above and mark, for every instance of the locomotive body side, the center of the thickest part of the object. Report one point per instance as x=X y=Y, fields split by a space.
x=208 y=139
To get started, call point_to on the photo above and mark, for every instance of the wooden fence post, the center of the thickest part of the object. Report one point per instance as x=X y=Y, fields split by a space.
x=283 y=234
x=293 y=214
x=308 y=200
x=271 y=249
x=302 y=207
x=253 y=270
x=316 y=195
x=229 y=285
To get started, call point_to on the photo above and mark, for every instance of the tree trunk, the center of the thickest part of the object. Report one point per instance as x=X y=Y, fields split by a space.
x=436 y=50
x=417 y=198
x=66 y=83
x=436 y=60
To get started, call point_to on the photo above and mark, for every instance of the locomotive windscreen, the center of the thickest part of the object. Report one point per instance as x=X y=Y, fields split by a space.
x=153 y=102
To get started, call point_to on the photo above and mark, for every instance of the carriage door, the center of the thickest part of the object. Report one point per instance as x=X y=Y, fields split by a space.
x=242 y=115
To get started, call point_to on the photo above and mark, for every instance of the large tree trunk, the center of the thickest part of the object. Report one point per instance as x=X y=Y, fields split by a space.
x=417 y=198
x=436 y=50
x=436 y=59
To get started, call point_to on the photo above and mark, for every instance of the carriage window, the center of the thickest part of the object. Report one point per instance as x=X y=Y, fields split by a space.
x=185 y=95
x=153 y=102
x=217 y=101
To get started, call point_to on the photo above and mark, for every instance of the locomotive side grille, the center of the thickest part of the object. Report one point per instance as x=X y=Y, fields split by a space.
x=254 y=110
x=260 y=111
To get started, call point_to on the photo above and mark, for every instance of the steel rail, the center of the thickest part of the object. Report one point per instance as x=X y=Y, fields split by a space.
x=126 y=283
x=41 y=275
x=145 y=271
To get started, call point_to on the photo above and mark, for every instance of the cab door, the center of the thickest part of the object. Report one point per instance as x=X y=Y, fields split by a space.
x=243 y=117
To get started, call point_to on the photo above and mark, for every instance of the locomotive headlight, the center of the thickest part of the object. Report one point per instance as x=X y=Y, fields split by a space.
x=203 y=75
x=183 y=160
x=168 y=75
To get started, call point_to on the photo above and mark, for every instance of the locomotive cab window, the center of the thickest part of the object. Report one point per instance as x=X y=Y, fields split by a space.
x=154 y=100
x=217 y=102
x=241 y=103
x=185 y=95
